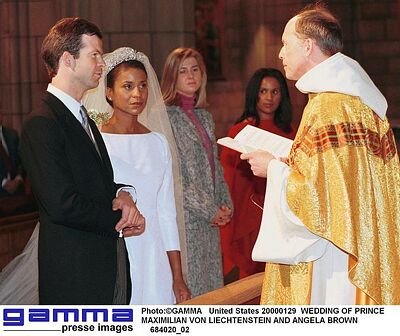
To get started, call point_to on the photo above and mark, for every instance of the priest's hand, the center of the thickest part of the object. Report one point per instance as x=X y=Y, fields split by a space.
x=259 y=162
x=285 y=160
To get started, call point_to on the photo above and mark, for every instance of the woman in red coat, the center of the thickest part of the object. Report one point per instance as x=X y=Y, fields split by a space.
x=267 y=106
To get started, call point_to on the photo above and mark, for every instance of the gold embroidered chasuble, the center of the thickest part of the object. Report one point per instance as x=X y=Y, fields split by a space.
x=344 y=186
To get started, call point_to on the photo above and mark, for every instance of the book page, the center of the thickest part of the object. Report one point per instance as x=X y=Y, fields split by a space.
x=235 y=145
x=252 y=138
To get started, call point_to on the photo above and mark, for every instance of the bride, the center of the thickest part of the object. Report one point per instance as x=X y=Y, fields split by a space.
x=136 y=140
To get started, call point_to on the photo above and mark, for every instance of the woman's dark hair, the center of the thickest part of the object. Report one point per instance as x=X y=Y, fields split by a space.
x=134 y=64
x=283 y=115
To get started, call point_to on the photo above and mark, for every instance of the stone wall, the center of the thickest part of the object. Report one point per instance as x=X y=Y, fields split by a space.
x=152 y=26
x=253 y=40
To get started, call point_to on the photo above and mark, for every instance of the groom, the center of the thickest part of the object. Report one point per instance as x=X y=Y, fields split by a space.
x=81 y=258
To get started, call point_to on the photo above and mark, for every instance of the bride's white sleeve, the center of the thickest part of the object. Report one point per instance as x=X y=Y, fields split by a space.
x=283 y=236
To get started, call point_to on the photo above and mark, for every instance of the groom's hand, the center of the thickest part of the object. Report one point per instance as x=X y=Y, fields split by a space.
x=132 y=222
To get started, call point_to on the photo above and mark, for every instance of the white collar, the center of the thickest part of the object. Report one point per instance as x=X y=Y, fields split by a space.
x=340 y=73
x=72 y=104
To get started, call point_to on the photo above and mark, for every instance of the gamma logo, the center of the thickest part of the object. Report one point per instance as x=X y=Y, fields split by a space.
x=65 y=320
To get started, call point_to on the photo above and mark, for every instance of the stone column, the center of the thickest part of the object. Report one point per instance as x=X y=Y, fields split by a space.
x=22 y=75
x=153 y=26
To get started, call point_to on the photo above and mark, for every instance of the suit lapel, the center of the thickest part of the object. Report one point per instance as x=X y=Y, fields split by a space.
x=7 y=138
x=102 y=148
x=74 y=128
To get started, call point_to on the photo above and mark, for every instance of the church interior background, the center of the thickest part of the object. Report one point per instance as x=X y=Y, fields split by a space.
x=235 y=36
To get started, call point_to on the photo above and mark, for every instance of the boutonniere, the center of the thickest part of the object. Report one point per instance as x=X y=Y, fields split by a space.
x=99 y=117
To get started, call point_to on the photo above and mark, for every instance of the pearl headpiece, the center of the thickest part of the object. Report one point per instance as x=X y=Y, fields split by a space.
x=120 y=55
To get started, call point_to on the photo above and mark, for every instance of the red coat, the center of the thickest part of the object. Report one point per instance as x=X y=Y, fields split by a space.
x=238 y=236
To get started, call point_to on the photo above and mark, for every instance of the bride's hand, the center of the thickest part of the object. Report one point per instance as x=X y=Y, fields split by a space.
x=134 y=230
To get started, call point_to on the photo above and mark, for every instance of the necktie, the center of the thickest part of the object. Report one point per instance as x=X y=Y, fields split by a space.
x=85 y=122
x=85 y=125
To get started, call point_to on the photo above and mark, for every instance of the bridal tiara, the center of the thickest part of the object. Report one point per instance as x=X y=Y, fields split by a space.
x=120 y=55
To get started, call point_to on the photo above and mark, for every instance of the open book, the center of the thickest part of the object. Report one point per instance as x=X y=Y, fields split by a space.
x=251 y=138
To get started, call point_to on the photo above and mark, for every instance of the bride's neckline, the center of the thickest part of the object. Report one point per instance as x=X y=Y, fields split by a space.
x=111 y=129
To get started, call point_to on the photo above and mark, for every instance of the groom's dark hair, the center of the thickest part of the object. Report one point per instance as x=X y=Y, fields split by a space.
x=65 y=35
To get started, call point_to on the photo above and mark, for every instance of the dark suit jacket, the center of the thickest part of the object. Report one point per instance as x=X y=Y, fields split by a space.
x=12 y=140
x=74 y=189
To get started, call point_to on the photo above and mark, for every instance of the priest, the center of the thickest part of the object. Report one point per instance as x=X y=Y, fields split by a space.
x=331 y=217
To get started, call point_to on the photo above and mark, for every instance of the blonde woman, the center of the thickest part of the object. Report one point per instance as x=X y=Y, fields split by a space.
x=206 y=200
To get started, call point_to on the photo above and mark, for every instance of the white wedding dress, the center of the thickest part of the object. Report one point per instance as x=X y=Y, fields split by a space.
x=144 y=161
x=19 y=283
